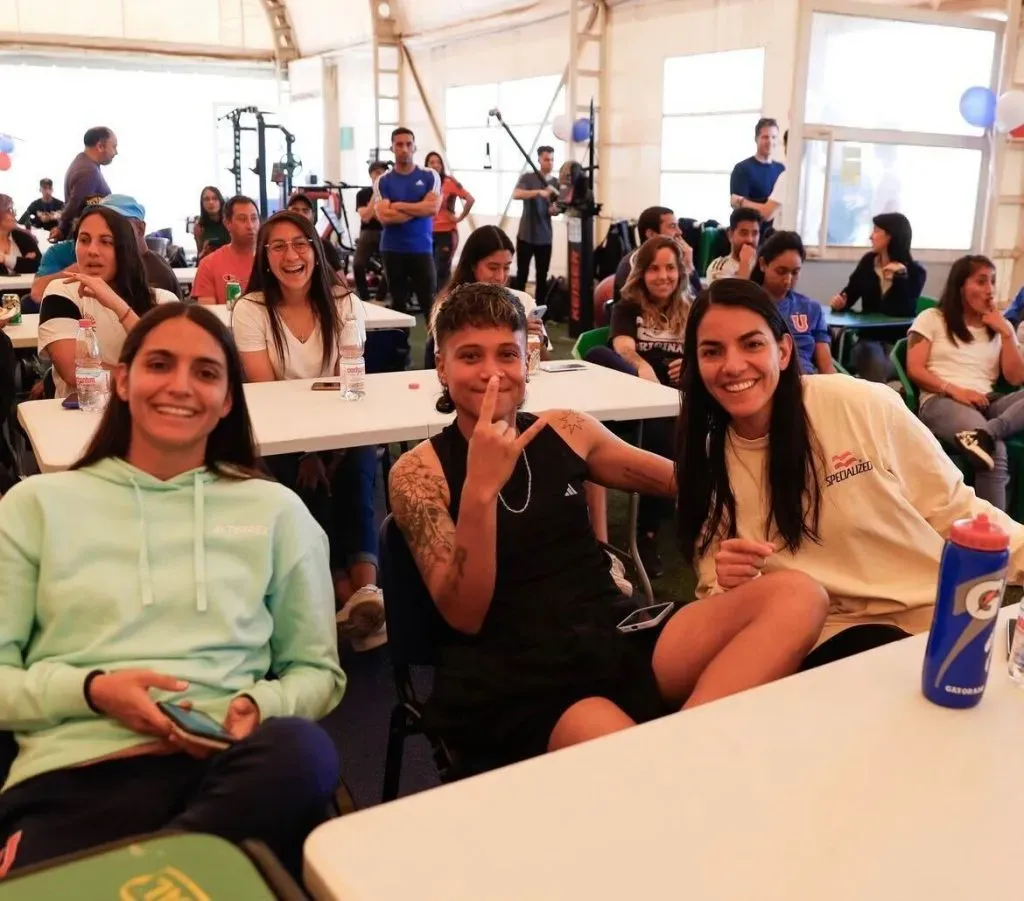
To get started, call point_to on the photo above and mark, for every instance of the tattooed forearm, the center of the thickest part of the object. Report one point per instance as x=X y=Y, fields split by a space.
x=419 y=503
x=649 y=481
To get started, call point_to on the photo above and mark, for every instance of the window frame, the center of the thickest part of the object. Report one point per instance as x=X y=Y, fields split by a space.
x=801 y=131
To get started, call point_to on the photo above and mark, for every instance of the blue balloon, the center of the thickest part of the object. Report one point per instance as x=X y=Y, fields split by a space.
x=581 y=129
x=6 y=144
x=978 y=107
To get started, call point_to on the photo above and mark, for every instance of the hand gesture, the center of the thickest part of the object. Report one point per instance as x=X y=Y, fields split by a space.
x=675 y=371
x=494 y=447
x=748 y=254
x=838 y=302
x=55 y=235
x=93 y=286
x=124 y=696
x=891 y=269
x=687 y=252
x=534 y=326
x=243 y=717
x=997 y=322
x=969 y=397
x=739 y=560
x=312 y=475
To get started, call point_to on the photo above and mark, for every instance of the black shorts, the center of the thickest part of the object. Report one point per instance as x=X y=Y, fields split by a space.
x=519 y=727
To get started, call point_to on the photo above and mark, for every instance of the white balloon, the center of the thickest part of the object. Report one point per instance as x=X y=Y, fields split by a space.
x=562 y=127
x=1010 y=111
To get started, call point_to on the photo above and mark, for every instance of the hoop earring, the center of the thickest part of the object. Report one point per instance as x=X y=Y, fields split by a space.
x=445 y=404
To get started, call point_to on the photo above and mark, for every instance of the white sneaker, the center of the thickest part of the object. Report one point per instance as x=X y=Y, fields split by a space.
x=361 y=620
x=618 y=572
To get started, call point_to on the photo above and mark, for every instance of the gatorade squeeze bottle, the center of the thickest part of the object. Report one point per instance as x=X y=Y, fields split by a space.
x=972 y=578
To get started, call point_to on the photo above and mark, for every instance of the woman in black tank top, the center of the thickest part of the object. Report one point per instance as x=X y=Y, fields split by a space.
x=494 y=512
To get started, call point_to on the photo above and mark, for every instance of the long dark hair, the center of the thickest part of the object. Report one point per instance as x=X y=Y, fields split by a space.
x=951 y=303
x=322 y=297
x=774 y=247
x=484 y=241
x=230 y=448
x=426 y=162
x=897 y=227
x=706 y=505
x=205 y=220
x=130 y=282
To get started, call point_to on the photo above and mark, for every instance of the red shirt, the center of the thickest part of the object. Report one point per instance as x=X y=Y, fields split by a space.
x=444 y=221
x=220 y=267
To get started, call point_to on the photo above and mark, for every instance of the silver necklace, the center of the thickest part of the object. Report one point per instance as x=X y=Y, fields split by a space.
x=529 y=489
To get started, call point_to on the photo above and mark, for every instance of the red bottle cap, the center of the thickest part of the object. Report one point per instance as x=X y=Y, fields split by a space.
x=979 y=534
x=85 y=323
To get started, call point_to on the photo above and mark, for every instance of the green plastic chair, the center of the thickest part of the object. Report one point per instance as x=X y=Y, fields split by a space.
x=898 y=356
x=596 y=337
x=839 y=367
x=708 y=236
x=926 y=303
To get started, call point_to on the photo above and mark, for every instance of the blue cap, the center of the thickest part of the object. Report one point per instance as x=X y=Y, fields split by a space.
x=127 y=206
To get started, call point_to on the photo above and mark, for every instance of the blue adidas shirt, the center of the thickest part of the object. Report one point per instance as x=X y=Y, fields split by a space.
x=416 y=235
x=57 y=258
x=806 y=321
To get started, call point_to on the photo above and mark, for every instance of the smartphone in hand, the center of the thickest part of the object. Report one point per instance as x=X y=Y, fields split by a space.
x=197 y=727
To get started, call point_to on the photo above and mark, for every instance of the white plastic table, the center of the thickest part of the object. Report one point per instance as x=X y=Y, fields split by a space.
x=841 y=783
x=289 y=416
x=15 y=282
x=186 y=275
x=26 y=335
x=377 y=317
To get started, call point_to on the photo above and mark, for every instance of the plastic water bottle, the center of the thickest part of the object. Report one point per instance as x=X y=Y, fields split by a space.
x=972 y=579
x=353 y=365
x=92 y=381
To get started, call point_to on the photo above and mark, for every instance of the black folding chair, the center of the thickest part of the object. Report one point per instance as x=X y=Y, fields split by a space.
x=414 y=629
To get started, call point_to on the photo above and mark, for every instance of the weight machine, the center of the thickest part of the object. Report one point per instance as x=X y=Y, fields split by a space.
x=281 y=172
x=576 y=201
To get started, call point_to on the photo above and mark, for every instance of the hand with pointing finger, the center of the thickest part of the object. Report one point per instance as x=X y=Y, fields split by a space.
x=494 y=447
x=739 y=560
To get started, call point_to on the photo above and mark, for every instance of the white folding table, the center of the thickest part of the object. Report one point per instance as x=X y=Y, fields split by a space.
x=288 y=416
x=15 y=282
x=841 y=783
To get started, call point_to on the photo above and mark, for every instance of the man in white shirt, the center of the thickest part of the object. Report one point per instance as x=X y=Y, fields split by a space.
x=744 y=234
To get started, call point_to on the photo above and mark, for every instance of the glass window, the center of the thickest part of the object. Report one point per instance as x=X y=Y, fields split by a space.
x=467 y=106
x=699 y=196
x=712 y=102
x=937 y=63
x=714 y=82
x=706 y=143
x=866 y=179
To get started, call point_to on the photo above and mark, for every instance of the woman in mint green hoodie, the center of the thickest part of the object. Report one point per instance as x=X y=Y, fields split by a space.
x=162 y=567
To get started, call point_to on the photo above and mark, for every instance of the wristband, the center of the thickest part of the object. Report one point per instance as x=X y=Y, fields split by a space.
x=124 y=315
x=86 y=685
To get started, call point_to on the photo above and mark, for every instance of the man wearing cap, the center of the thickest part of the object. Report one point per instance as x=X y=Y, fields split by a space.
x=158 y=271
x=300 y=203
x=44 y=211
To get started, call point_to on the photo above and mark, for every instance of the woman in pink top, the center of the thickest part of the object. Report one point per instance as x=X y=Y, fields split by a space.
x=446 y=223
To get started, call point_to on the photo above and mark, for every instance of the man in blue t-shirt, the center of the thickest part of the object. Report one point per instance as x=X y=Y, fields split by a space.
x=753 y=179
x=406 y=199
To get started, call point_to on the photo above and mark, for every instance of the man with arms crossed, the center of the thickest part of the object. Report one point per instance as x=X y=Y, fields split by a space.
x=753 y=179
x=406 y=199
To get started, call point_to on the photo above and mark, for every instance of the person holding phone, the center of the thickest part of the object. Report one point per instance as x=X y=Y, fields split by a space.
x=494 y=513
x=289 y=326
x=163 y=567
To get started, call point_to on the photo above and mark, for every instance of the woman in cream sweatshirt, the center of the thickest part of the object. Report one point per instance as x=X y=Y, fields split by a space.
x=833 y=477
x=161 y=567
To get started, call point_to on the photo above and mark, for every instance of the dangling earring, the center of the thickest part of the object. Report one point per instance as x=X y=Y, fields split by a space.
x=445 y=404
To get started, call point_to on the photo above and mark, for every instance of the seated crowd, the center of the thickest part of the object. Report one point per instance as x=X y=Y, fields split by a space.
x=228 y=578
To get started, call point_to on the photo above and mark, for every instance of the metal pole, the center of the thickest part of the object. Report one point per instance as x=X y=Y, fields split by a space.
x=261 y=162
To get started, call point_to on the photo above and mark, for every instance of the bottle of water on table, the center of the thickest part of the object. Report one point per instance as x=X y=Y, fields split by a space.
x=972 y=579
x=352 y=363
x=92 y=381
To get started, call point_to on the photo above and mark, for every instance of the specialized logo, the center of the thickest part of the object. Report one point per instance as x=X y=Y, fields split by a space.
x=845 y=466
x=800 y=322
x=570 y=491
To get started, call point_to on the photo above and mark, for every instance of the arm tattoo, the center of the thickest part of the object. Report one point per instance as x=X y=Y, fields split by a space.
x=570 y=422
x=418 y=502
x=647 y=483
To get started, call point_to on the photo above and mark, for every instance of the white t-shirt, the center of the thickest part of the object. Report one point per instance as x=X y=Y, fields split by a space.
x=60 y=311
x=250 y=323
x=10 y=259
x=973 y=365
x=723 y=267
x=778 y=194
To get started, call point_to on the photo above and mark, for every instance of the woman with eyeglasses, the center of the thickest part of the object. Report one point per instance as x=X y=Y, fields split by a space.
x=288 y=327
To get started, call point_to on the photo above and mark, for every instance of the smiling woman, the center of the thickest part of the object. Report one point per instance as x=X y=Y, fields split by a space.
x=217 y=596
x=109 y=288
x=825 y=475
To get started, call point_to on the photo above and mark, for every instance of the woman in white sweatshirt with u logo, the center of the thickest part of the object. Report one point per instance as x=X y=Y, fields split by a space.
x=831 y=476
x=163 y=568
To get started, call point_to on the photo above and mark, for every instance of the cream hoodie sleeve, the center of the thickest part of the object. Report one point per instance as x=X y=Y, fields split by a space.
x=931 y=481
